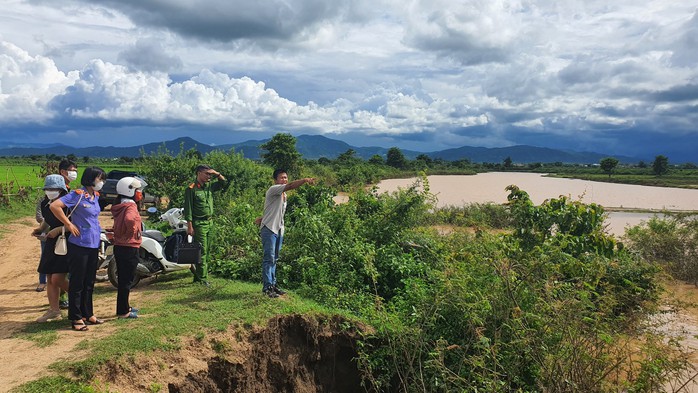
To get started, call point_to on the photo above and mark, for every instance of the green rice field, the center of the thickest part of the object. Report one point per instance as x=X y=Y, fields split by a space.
x=14 y=174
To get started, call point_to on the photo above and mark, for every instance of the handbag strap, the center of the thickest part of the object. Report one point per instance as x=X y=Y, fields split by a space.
x=71 y=212
x=76 y=206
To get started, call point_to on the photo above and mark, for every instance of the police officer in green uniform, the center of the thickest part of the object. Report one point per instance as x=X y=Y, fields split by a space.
x=198 y=211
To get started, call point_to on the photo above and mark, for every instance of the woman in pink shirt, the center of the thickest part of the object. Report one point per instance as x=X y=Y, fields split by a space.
x=127 y=239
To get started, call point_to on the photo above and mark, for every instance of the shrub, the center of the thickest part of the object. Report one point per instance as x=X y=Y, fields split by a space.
x=671 y=242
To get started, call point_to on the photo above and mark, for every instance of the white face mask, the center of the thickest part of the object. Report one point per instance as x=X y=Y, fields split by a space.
x=52 y=194
x=98 y=185
x=72 y=175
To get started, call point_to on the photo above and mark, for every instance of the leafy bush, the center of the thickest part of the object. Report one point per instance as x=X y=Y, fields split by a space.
x=487 y=215
x=671 y=242
x=473 y=312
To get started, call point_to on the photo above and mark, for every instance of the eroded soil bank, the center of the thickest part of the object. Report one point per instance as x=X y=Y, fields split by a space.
x=292 y=353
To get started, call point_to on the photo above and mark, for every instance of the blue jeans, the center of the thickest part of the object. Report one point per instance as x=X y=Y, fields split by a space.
x=271 y=244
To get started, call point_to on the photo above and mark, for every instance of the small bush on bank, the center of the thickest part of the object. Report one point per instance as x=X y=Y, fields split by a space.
x=672 y=242
x=487 y=215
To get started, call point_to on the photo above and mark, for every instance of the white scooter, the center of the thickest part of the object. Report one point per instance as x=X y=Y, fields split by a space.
x=157 y=254
x=106 y=254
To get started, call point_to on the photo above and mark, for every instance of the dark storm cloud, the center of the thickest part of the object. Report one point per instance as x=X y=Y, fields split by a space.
x=678 y=94
x=581 y=72
x=685 y=53
x=148 y=55
x=460 y=48
x=227 y=21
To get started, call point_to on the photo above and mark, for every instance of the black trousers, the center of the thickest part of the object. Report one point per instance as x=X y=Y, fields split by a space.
x=82 y=266
x=126 y=263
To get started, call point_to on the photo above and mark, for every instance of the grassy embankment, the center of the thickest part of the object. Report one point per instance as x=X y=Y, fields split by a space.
x=680 y=178
x=172 y=309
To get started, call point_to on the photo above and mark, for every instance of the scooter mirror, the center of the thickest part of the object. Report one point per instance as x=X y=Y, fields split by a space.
x=152 y=210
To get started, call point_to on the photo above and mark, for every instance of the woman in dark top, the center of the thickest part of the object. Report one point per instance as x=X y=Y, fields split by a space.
x=54 y=266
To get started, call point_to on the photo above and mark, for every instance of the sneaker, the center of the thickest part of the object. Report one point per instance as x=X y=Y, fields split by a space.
x=63 y=304
x=271 y=293
x=277 y=290
x=50 y=315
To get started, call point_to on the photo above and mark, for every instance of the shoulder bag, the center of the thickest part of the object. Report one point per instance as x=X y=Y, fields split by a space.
x=61 y=247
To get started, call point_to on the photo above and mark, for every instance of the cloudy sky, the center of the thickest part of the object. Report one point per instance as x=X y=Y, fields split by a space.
x=617 y=77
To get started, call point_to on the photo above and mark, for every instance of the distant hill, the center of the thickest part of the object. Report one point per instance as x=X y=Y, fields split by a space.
x=317 y=146
x=108 y=151
x=524 y=154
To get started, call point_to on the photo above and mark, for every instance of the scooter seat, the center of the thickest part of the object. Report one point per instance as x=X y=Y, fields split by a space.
x=154 y=234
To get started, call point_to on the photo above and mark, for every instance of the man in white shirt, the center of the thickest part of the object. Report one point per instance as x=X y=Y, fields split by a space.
x=272 y=227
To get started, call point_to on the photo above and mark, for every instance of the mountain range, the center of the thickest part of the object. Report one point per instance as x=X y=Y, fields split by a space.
x=317 y=146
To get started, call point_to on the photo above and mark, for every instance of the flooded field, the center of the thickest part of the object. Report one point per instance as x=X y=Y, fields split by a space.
x=490 y=187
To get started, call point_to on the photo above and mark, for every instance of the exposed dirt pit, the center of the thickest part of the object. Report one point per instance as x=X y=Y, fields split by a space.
x=293 y=353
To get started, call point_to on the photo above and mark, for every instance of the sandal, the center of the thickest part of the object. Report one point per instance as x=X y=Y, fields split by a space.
x=82 y=328
x=97 y=321
x=49 y=315
x=130 y=315
x=41 y=288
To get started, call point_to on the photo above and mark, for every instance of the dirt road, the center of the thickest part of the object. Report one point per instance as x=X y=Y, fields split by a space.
x=21 y=305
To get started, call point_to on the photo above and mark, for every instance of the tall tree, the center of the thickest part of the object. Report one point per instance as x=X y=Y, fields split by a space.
x=608 y=164
x=660 y=166
x=396 y=159
x=348 y=157
x=281 y=153
x=508 y=163
x=376 y=159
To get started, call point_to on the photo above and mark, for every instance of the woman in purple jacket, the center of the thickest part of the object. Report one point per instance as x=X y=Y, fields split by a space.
x=83 y=245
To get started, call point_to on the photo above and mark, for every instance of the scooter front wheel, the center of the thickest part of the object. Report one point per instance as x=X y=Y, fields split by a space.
x=103 y=268
x=113 y=274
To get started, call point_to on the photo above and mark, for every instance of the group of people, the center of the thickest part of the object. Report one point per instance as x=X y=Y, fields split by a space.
x=75 y=214
x=198 y=212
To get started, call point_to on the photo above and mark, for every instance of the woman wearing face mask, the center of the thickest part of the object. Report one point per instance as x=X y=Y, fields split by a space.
x=68 y=169
x=53 y=266
x=127 y=239
x=83 y=245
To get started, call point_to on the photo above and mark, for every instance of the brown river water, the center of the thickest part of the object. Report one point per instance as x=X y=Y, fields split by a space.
x=646 y=201
x=490 y=187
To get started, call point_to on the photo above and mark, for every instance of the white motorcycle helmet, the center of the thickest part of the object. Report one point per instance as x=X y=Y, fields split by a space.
x=128 y=186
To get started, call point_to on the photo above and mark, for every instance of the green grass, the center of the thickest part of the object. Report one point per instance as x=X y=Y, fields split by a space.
x=171 y=308
x=681 y=178
x=17 y=209
x=14 y=174
x=42 y=334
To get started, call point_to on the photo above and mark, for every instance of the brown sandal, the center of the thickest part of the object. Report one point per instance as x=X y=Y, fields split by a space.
x=89 y=321
x=82 y=328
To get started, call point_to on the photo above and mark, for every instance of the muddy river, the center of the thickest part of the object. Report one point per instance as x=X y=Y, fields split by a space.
x=490 y=187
